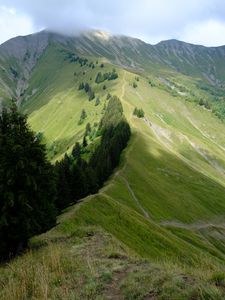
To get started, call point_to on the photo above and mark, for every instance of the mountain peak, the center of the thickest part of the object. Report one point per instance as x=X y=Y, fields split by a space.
x=102 y=34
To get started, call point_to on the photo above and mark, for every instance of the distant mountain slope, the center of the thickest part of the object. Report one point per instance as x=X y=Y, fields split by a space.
x=194 y=60
x=19 y=56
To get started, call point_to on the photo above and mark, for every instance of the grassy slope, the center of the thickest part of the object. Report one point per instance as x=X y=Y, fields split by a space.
x=164 y=203
x=55 y=109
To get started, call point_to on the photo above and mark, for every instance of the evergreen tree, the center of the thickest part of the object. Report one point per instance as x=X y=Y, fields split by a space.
x=88 y=129
x=138 y=112
x=86 y=87
x=108 y=96
x=141 y=113
x=79 y=185
x=84 y=142
x=76 y=150
x=104 y=87
x=201 y=102
x=27 y=184
x=83 y=116
x=135 y=112
x=207 y=105
x=134 y=85
x=99 y=78
x=63 y=183
x=91 y=94
x=97 y=102
x=81 y=86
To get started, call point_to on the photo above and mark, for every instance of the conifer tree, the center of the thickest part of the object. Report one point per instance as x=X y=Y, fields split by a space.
x=81 y=86
x=91 y=94
x=86 y=87
x=76 y=150
x=84 y=142
x=27 y=185
x=97 y=102
x=88 y=129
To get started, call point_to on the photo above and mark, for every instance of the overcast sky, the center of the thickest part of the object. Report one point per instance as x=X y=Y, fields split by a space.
x=195 y=21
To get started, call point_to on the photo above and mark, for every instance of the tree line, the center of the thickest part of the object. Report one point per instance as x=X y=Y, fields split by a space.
x=106 y=76
x=78 y=177
x=32 y=191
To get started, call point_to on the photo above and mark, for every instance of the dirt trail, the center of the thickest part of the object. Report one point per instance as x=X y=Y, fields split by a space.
x=112 y=290
x=123 y=87
x=145 y=213
x=187 y=115
x=122 y=96
x=193 y=226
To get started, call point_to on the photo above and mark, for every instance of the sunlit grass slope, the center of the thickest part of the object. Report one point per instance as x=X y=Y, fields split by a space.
x=164 y=204
x=167 y=197
x=54 y=103
x=172 y=172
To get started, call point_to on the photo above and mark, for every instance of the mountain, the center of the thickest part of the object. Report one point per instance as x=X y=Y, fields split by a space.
x=156 y=228
x=19 y=56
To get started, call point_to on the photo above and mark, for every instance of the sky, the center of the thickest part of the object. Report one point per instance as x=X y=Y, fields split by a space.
x=194 y=21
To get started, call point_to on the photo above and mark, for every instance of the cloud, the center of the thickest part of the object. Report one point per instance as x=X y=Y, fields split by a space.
x=12 y=24
x=208 y=33
x=148 y=19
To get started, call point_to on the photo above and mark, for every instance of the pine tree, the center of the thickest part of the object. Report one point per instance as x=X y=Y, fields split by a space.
x=108 y=96
x=135 y=112
x=81 y=86
x=84 y=142
x=83 y=116
x=27 y=185
x=88 y=129
x=134 y=85
x=76 y=150
x=99 y=78
x=63 y=183
x=91 y=94
x=201 y=102
x=86 y=87
x=97 y=102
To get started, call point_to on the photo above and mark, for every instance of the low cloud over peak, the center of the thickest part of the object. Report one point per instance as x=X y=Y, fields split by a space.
x=200 y=21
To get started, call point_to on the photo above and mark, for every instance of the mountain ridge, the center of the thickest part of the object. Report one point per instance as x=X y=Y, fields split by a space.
x=163 y=206
x=19 y=56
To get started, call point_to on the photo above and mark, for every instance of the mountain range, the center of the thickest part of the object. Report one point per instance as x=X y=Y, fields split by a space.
x=156 y=229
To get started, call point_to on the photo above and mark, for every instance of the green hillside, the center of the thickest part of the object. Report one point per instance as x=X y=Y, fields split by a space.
x=156 y=228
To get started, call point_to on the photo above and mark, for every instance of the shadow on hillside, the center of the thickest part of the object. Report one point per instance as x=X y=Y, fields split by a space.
x=167 y=187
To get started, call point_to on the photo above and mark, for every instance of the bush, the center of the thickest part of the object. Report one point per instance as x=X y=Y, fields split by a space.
x=138 y=112
x=135 y=85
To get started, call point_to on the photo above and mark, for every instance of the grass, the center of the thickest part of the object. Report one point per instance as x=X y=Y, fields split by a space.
x=85 y=262
x=172 y=170
x=55 y=109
